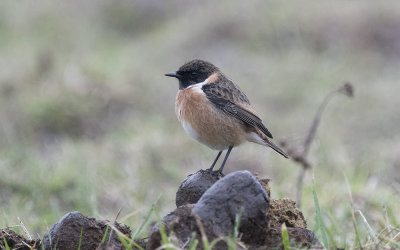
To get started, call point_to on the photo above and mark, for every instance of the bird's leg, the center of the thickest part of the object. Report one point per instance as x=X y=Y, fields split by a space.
x=219 y=171
x=215 y=161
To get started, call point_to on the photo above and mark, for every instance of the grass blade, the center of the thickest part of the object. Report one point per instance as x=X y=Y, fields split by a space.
x=25 y=229
x=125 y=242
x=204 y=240
x=80 y=239
x=318 y=217
x=164 y=237
x=212 y=244
x=135 y=245
x=369 y=228
x=353 y=216
x=234 y=238
x=144 y=222
x=285 y=237
x=238 y=217
x=193 y=242
x=105 y=235
x=6 y=245
x=393 y=242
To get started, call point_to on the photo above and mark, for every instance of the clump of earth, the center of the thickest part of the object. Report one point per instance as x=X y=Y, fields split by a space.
x=209 y=207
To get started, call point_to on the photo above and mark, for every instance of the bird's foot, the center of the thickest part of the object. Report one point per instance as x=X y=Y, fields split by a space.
x=213 y=172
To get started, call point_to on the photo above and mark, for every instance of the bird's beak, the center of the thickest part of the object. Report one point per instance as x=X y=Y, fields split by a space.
x=174 y=74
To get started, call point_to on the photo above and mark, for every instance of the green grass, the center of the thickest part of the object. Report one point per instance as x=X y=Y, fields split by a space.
x=193 y=242
x=285 y=237
x=165 y=241
x=6 y=245
x=88 y=118
x=234 y=237
x=146 y=220
x=125 y=242
x=357 y=241
x=319 y=220
x=80 y=239
x=371 y=232
x=105 y=235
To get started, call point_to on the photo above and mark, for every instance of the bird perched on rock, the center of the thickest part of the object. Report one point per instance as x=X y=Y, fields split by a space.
x=214 y=111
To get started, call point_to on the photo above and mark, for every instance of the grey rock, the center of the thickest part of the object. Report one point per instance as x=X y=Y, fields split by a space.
x=237 y=192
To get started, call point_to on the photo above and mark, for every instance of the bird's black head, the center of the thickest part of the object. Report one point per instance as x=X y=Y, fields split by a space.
x=193 y=72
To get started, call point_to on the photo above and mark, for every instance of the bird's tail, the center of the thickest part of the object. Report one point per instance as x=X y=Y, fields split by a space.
x=277 y=149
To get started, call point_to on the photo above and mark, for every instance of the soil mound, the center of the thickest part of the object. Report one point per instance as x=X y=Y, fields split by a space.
x=228 y=210
x=213 y=215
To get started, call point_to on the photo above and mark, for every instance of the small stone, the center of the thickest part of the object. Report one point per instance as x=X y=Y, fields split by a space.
x=238 y=192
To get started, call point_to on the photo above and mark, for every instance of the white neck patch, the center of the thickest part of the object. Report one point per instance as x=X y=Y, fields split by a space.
x=197 y=87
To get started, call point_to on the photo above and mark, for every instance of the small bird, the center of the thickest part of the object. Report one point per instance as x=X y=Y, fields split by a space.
x=214 y=111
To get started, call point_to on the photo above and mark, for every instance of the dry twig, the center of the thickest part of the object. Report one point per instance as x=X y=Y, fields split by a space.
x=301 y=155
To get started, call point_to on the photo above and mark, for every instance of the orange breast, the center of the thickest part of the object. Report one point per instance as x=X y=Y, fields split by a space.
x=205 y=123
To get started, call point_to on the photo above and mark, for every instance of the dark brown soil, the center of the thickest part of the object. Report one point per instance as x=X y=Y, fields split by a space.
x=74 y=229
x=16 y=241
x=194 y=186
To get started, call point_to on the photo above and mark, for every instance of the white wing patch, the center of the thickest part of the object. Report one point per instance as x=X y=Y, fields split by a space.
x=254 y=137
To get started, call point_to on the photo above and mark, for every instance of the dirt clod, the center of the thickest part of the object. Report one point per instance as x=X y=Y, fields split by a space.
x=265 y=184
x=300 y=237
x=16 y=241
x=194 y=186
x=183 y=224
x=73 y=228
x=285 y=211
x=180 y=221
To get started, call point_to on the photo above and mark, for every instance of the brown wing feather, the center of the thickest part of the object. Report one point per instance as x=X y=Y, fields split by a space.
x=227 y=97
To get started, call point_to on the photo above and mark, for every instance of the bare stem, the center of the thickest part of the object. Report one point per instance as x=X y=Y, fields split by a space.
x=315 y=123
x=346 y=89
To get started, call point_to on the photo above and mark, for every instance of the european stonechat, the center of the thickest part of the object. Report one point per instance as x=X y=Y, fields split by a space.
x=214 y=111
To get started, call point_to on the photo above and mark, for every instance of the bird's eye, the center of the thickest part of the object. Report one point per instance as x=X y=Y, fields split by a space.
x=194 y=73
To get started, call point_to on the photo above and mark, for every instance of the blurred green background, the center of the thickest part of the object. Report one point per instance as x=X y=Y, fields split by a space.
x=87 y=116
